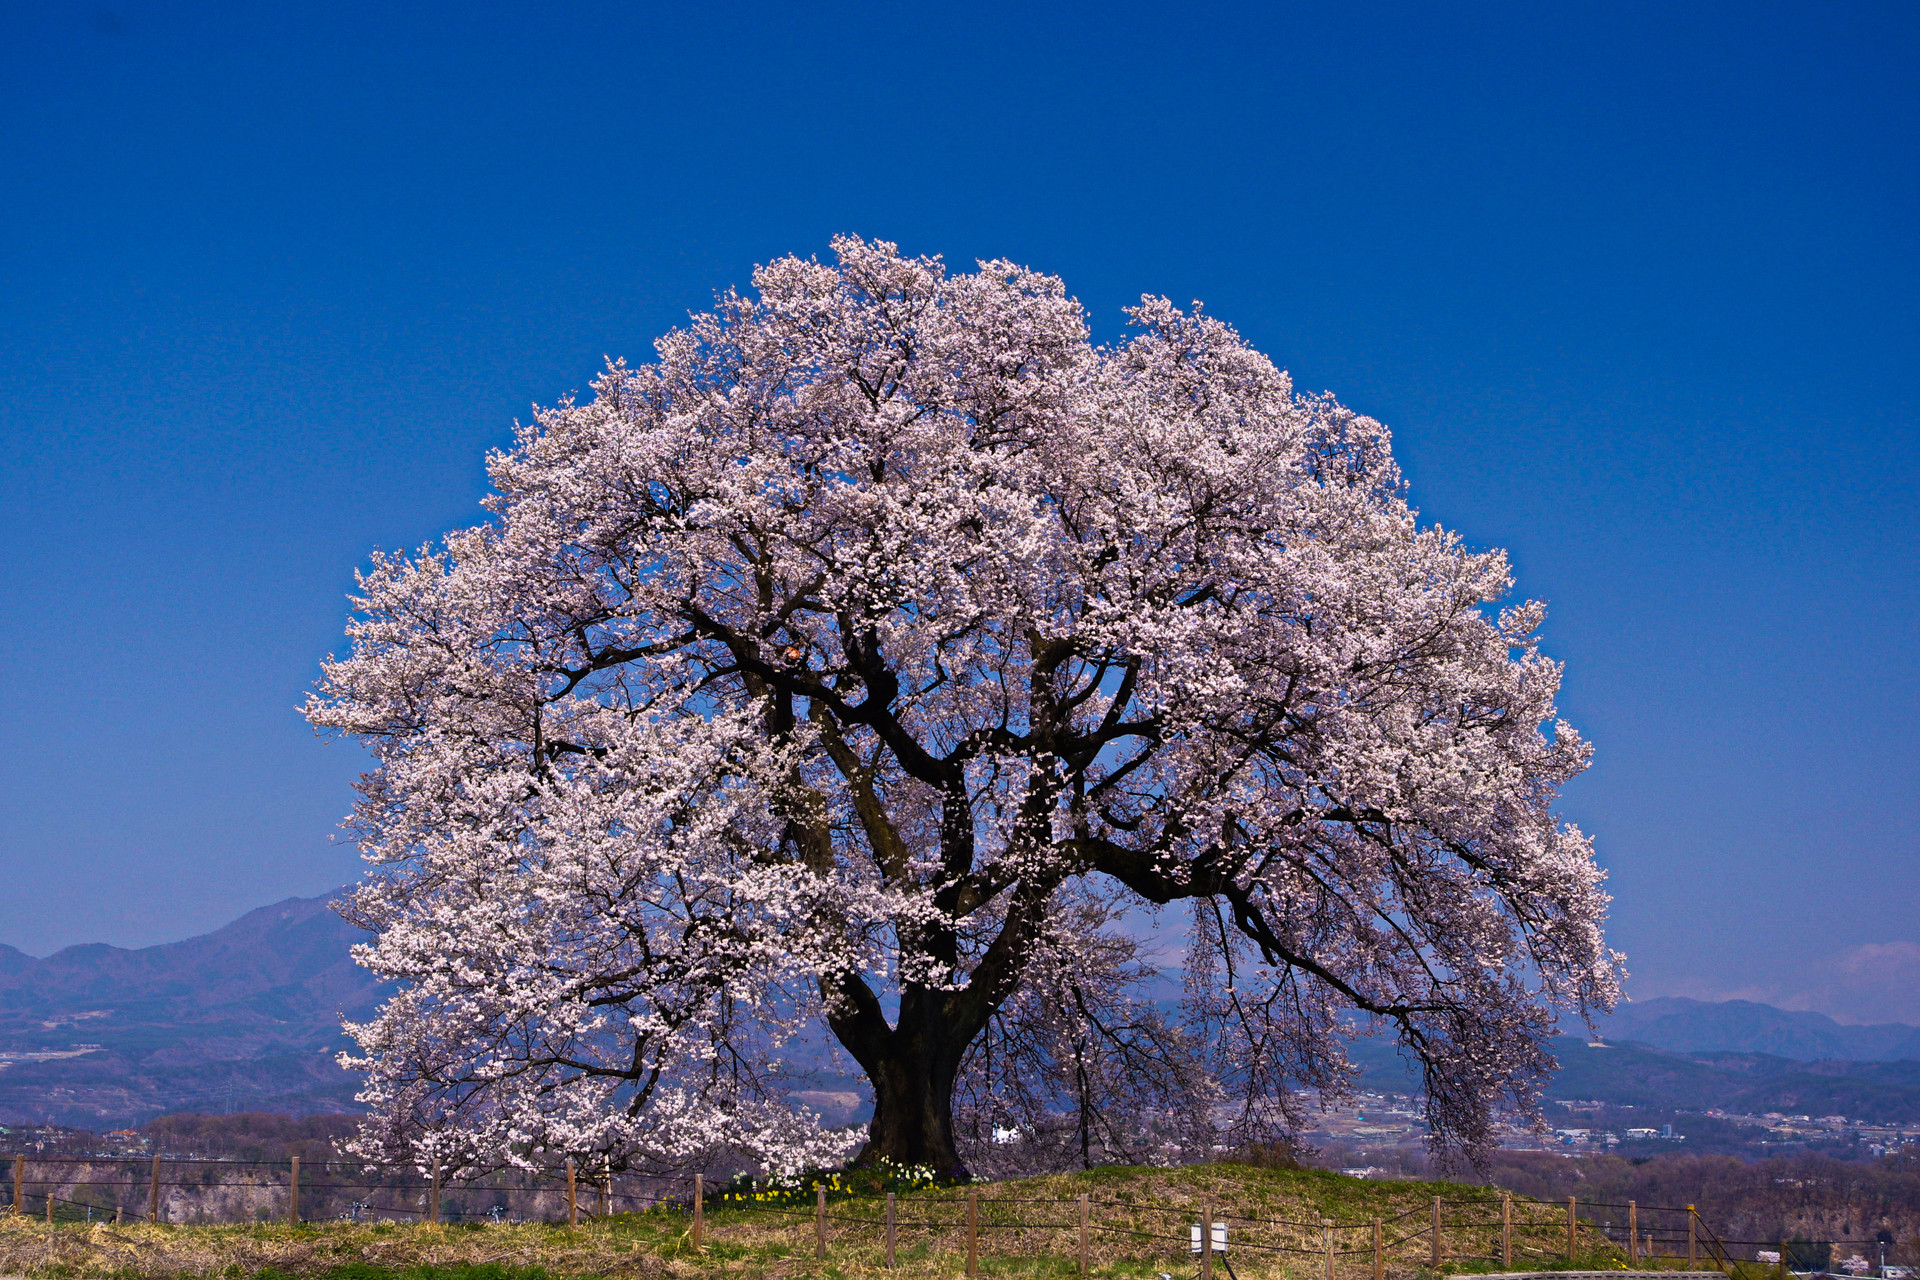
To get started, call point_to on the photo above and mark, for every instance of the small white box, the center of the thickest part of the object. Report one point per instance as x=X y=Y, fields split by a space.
x=1219 y=1237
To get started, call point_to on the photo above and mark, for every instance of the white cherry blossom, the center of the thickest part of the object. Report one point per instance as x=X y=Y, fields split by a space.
x=833 y=663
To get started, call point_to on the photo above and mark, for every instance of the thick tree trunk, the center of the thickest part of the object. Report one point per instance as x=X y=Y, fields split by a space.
x=912 y=1118
x=913 y=1070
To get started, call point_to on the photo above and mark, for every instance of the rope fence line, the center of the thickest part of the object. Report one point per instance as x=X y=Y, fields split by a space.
x=1493 y=1228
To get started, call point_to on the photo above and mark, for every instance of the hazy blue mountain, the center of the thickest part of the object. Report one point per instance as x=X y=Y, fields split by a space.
x=1741 y=1026
x=1746 y=1083
x=1636 y=1075
x=246 y=1018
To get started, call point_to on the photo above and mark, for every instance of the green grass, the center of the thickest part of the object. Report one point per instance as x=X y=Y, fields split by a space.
x=1028 y=1232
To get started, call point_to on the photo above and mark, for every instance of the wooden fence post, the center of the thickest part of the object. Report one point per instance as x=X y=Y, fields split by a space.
x=699 y=1210
x=293 y=1195
x=890 y=1235
x=1326 y=1239
x=573 y=1195
x=973 y=1233
x=1436 y=1232
x=153 y=1194
x=820 y=1223
x=606 y=1193
x=1573 y=1205
x=1693 y=1239
x=1633 y=1232
x=1379 y=1253
x=1506 y=1229
x=1083 y=1233
x=49 y=1204
x=19 y=1178
x=433 y=1194
x=1206 y=1241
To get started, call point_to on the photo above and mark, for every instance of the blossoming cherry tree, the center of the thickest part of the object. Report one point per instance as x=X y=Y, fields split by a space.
x=865 y=657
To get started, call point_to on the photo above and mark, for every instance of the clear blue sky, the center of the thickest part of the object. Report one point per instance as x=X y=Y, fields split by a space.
x=1635 y=286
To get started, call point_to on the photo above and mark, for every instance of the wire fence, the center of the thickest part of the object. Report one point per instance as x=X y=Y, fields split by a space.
x=210 y=1190
x=1476 y=1232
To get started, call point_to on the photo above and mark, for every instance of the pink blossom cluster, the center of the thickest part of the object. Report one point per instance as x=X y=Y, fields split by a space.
x=862 y=656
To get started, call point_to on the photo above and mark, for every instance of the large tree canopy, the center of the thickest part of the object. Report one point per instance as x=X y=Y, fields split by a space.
x=863 y=655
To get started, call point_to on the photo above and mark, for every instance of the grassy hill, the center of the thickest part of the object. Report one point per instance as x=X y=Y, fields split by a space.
x=1139 y=1221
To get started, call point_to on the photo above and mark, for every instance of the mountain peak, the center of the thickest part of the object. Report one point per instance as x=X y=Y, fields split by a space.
x=246 y=1017
x=1682 y=1025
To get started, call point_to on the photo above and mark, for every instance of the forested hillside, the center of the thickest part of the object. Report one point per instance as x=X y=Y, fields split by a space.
x=246 y=1018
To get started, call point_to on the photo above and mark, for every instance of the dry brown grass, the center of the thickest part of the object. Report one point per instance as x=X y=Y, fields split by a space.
x=1029 y=1228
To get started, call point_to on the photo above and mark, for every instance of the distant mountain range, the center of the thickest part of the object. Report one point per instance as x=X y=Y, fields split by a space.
x=1627 y=1074
x=1672 y=1054
x=1741 y=1026
x=247 y=1018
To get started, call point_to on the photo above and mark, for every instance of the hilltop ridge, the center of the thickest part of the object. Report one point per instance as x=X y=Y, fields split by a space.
x=245 y=1018
x=1679 y=1024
